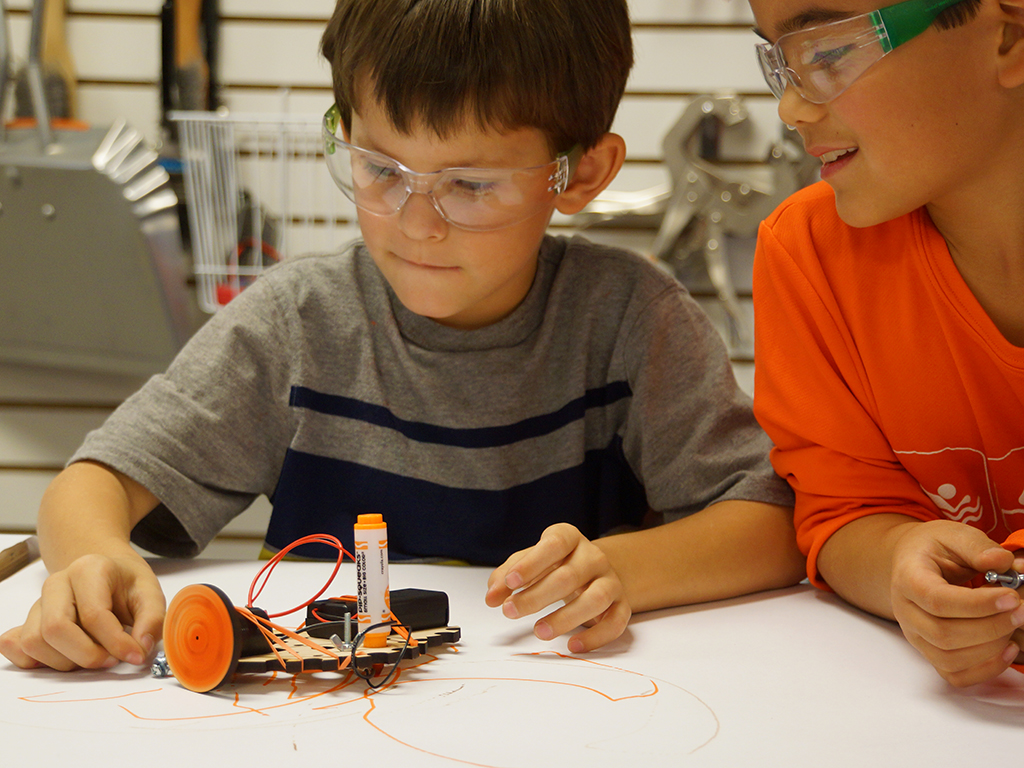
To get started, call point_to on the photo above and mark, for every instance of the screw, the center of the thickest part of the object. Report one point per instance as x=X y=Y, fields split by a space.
x=160 y=667
x=1011 y=579
x=346 y=643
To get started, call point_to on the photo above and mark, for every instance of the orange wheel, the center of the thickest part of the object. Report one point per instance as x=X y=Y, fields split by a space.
x=202 y=637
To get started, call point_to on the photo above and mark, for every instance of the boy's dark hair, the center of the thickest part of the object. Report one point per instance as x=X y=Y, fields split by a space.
x=556 y=65
x=958 y=14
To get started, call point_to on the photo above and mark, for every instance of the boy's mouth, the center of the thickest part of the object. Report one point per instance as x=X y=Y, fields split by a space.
x=835 y=154
x=424 y=265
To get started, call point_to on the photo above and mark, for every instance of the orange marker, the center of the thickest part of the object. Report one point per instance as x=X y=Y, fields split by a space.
x=373 y=597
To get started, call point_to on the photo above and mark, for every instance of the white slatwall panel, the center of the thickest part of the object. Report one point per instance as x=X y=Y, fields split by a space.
x=683 y=48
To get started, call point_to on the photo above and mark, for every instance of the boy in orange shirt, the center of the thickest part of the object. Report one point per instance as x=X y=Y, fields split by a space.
x=890 y=344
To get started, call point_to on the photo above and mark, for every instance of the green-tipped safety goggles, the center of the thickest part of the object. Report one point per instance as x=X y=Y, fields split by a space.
x=477 y=199
x=821 y=62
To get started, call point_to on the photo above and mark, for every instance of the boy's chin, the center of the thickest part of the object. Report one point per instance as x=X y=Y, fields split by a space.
x=859 y=215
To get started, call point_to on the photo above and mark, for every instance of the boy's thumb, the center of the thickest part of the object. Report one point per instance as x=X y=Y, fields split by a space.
x=982 y=554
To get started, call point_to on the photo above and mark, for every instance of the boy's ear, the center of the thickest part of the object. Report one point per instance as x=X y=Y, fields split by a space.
x=595 y=171
x=1011 y=48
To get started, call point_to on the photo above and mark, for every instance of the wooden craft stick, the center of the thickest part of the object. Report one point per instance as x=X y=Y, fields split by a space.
x=13 y=559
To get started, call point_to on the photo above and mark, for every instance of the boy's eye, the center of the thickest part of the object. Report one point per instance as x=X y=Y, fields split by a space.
x=370 y=172
x=828 y=58
x=473 y=187
x=379 y=172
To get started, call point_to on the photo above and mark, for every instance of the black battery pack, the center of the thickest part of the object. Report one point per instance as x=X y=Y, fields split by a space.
x=415 y=608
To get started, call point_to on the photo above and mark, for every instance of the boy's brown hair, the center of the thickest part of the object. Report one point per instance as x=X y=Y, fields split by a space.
x=958 y=14
x=556 y=65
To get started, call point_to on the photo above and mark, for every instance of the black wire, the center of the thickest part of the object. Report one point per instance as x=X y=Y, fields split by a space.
x=394 y=669
x=328 y=626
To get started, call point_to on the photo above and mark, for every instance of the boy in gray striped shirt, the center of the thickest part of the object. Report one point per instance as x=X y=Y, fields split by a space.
x=500 y=396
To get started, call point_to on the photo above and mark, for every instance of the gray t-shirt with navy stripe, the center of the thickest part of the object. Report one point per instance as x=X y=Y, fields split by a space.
x=604 y=395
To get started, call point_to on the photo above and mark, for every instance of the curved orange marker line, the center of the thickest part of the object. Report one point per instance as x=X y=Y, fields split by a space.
x=347 y=681
x=35 y=699
x=366 y=718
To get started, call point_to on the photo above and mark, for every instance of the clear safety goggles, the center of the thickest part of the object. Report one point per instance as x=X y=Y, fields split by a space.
x=477 y=199
x=822 y=62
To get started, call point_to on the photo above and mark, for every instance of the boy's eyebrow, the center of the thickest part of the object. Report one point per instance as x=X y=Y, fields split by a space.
x=808 y=18
x=468 y=162
x=370 y=145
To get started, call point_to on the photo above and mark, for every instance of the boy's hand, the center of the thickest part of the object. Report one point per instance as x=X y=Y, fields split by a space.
x=564 y=565
x=81 y=617
x=965 y=633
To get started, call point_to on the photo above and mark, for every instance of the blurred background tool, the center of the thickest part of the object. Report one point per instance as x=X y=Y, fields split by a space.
x=92 y=273
x=59 y=79
x=708 y=200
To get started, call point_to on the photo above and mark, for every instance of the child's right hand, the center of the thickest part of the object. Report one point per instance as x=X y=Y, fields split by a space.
x=968 y=635
x=81 y=618
x=564 y=566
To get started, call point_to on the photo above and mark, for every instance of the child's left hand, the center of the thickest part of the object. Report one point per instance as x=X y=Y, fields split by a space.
x=564 y=565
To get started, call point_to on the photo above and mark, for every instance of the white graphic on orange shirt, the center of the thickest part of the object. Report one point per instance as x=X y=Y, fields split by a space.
x=985 y=511
x=963 y=512
x=1020 y=500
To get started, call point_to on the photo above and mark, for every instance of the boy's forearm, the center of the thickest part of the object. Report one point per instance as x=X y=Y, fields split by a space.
x=89 y=509
x=731 y=548
x=856 y=561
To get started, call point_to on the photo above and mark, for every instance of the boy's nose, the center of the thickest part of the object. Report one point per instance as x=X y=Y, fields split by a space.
x=420 y=219
x=795 y=109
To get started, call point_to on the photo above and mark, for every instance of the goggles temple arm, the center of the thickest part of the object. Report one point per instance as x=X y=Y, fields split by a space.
x=567 y=164
x=905 y=21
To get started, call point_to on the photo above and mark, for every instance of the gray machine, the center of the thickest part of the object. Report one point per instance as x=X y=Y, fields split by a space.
x=92 y=270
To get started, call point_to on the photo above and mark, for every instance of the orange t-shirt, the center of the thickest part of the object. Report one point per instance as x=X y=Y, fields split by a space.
x=882 y=382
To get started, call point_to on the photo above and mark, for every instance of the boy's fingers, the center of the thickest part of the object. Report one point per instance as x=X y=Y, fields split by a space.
x=62 y=642
x=966 y=546
x=10 y=647
x=969 y=666
x=956 y=657
x=148 y=627
x=555 y=544
x=575 y=575
x=497 y=588
x=934 y=595
x=147 y=607
x=609 y=628
x=590 y=604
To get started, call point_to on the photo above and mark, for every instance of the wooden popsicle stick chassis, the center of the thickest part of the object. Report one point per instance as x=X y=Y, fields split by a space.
x=365 y=658
x=208 y=641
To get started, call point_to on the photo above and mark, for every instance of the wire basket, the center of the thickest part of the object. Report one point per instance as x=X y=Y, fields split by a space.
x=257 y=191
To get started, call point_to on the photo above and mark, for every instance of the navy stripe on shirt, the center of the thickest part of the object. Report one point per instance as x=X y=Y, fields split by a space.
x=316 y=494
x=471 y=437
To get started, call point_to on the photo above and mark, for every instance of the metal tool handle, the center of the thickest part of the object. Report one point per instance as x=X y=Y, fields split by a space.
x=5 y=67
x=35 y=75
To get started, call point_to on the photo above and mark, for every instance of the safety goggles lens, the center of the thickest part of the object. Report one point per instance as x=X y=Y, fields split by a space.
x=822 y=62
x=476 y=199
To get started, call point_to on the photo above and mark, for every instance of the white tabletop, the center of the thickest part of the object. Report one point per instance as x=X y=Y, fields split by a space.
x=789 y=678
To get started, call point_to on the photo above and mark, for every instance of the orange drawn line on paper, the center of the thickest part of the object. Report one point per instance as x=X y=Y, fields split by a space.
x=714 y=715
x=346 y=681
x=373 y=706
x=369 y=722
x=653 y=692
x=238 y=705
x=570 y=657
x=36 y=699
